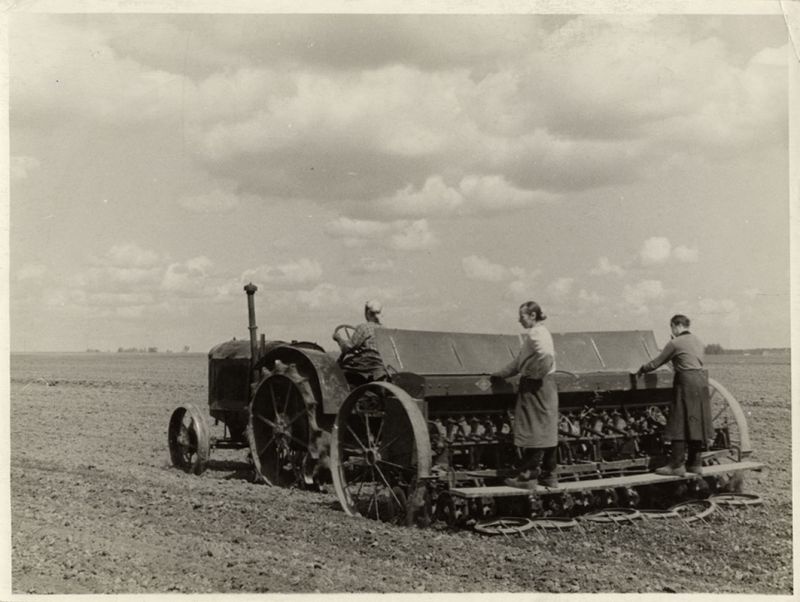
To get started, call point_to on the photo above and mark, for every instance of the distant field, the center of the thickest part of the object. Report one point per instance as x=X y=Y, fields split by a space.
x=97 y=508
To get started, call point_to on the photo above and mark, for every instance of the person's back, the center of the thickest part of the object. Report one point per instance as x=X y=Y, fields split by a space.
x=360 y=355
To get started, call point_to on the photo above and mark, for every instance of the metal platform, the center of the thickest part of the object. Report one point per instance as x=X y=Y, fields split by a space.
x=634 y=480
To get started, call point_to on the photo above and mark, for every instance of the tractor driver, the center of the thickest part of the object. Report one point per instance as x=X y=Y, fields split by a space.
x=360 y=357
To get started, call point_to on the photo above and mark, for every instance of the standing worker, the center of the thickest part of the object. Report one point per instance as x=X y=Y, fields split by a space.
x=536 y=410
x=690 y=412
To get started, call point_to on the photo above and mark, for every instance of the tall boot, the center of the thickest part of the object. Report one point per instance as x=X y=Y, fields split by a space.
x=695 y=462
x=528 y=469
x=676 y=466
x=549 y=464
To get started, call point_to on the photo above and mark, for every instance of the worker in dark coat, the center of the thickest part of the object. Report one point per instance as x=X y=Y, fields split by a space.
x=360 y=356
x=536 y=410
x=690 y=413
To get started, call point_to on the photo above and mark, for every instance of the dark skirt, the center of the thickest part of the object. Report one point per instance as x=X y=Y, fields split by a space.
x=536 y=413
x=690 y=413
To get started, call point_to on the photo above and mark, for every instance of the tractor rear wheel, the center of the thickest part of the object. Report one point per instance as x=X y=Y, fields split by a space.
x=189 y=439
x=380 y=453
x=285 y=442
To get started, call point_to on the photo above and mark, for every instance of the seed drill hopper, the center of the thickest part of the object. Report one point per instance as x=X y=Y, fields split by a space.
x=434 y=439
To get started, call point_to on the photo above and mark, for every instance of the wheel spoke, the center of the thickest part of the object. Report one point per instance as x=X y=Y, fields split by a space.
x=266 y=445
x=363 y=447
x=370 y=440
x=389 y=487
x=372 y=498
x=384 y=447
x=300 y=442
x=393 y=465
x=289 y=391
x=361 y=485
x=380 y=432
x=272 y=398
x=268 y=422
x=294 y=419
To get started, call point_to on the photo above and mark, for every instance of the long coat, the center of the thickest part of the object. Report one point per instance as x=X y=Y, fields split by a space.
x=690 y=412
x=536 y=413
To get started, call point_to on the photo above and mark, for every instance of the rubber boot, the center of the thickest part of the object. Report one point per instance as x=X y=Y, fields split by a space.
x=675 y=467
x=695 y=462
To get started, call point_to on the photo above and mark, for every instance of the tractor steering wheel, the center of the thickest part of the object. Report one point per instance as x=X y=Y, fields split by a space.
x=348 y=331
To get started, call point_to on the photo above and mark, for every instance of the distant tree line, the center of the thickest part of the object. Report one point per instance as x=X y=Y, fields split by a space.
x=186 y=349
x=137 y=350
x=717 y=349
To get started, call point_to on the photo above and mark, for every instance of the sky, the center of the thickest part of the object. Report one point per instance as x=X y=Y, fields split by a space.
x=618 y=169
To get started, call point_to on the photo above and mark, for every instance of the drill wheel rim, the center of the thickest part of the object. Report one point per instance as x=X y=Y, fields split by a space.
x=704 y=509
x=612 y=515
x=658 y=514
x=504 y=525
x=554 y=522
x=737 y=499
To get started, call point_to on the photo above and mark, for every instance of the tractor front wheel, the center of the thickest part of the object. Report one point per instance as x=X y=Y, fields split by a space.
x=189 y=439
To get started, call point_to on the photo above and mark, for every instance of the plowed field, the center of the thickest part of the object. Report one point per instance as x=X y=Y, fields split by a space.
x=97 y=508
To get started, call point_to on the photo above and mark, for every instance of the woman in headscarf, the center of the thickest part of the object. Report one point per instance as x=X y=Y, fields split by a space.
x=536 y=410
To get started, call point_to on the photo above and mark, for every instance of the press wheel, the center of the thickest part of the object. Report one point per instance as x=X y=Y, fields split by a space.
x=379 y=447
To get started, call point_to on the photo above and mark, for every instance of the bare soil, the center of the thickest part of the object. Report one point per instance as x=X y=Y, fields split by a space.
x=97 y=508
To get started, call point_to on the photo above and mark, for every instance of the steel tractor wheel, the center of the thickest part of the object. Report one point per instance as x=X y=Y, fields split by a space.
x=189 y=439
x=380 y=452
x=286 y=445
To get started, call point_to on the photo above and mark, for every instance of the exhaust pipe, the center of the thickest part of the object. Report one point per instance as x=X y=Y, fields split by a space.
x=251 y=289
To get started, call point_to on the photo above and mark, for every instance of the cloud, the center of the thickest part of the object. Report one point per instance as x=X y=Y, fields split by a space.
x=434 y=198
x=372 y=265
x=560 y=287
x=472 y=195
x=414 y=236
x=129 y=281
x=187 y=277
x=480 y=268
x=722 y=311
x=22 y=165
x=604 y=266
x=408 y=116
x=496 y=193
x=659 y=249
x=591 y=298
x=215 y=201
x=334 y=298
x=401 y=235
x=302 y=271
x=356 y=229
x=123 y=267
x=129 y=255
x=716 y=306
x=655 y=250
x=638 y=295
x=685 y=254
